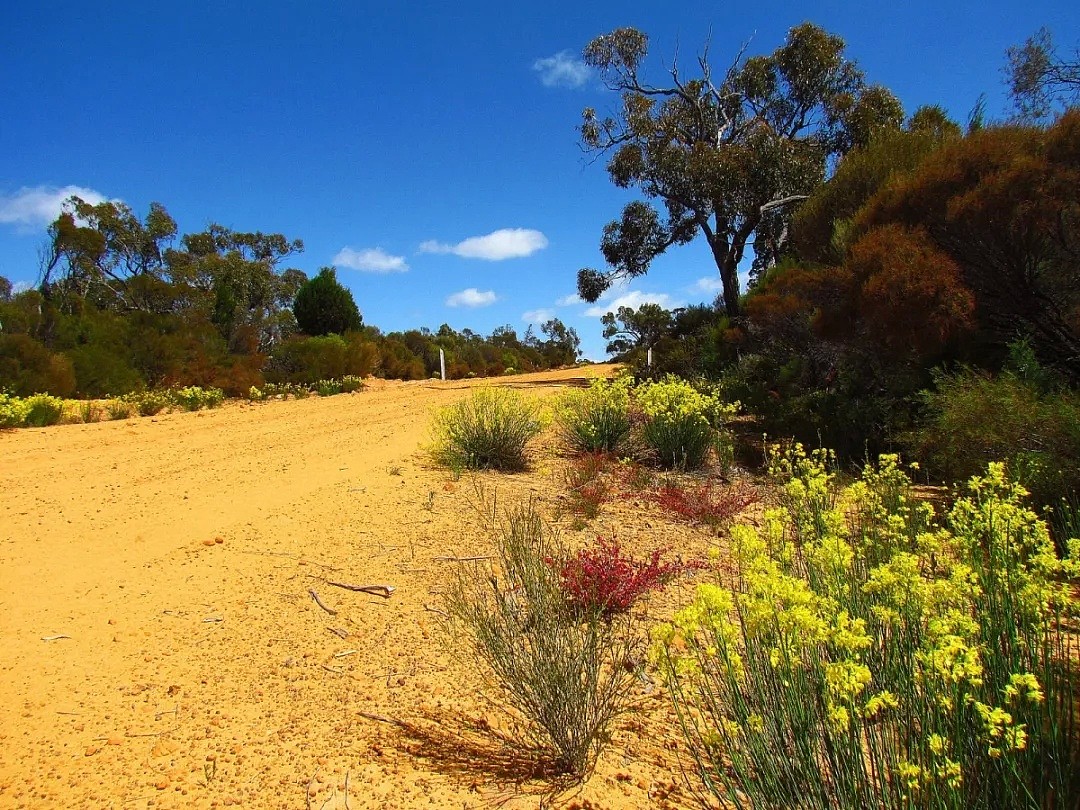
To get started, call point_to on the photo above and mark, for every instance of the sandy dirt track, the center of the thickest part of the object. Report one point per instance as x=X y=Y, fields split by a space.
x=160 y=647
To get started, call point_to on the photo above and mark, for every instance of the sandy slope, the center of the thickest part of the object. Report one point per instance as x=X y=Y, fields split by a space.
x=175 y=556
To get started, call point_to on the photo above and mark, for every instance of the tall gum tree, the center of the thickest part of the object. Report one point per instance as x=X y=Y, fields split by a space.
x=726 y=157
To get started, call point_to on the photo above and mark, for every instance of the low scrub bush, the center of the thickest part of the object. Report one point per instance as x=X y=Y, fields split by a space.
x=585 y=484
x=117 y=408
x=868 y=654
x=148 y=403
x=194 y=397
x=564 y=673
x=327 y=388
x=973 y=419
x=679 y=421
x=709 y=503
x=604 y=580
x=597 y=419
x=43 y=410
x=13 y=411
x=488 y=430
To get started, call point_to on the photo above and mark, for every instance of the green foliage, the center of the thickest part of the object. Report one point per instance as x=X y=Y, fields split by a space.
x=973 y=418
x=679 y=421
x=725 y=156
x=629 y=330
x=597 y=419
x=488 y=430
x=1041 y=80
x=868 y=655
x=27 y=367
x=43 y=410
x=194 y=398
x=12 y=410
x=324 y=306
x=117 y=409
x=565 y=673
x=310 y=359
x=148 y=403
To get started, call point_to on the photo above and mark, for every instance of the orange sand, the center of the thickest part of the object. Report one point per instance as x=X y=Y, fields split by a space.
x=161 y=649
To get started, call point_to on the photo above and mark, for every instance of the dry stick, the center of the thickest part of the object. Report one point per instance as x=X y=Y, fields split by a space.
x=375 y=590
x=311 y=781
x=319 y=602
x=330 y=669
x=345 y=653
x=431 y=609
x=381 y=719
x=463 y=559
x=347 y=773
x=339 y=632
x=53 y=638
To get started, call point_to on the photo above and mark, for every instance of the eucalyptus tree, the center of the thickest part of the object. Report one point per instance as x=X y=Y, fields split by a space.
x=727 y=156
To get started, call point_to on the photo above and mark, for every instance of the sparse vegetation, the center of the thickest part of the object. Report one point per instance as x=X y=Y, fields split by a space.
x=563 y=667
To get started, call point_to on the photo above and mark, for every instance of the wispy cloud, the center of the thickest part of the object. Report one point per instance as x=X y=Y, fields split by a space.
x=570 y=300
x=370 y=260
x=472 y=297
x=506 y=243
x=538 y=315
x=561 y=70
x=633 y=300
x=709 y=284
x=33 y=207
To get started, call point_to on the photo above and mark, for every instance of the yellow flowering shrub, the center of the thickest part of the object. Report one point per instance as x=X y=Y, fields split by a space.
x=870 y=654
x=595 y=419
x=680 y=422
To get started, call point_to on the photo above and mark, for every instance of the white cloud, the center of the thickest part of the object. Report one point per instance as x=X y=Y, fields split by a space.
x=34 y=207
x=472 y=297
x=20 y=287
x=506 y=243
x=538 y=315
x=709 y=284
x=370 y=260
x=570 y=300
x=633 y=300
x=561 y=70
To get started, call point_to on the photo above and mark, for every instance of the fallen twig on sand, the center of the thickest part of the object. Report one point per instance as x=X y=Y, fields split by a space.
x=381 y=719
x=463 y=559
x=53 y=638
x=431 y=609
x=345 y=653
x=319 y=602
x=213 y=619
x=340 y=632
x=347 y=773
x=375 y=590
x=331 y=669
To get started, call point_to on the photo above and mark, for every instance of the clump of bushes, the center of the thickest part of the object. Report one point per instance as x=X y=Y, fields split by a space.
x=194 y=397
x=562 y=662
x=488 y=430
x=974 y=418
x=148 y=403
x=868 y=654
x=38 y=410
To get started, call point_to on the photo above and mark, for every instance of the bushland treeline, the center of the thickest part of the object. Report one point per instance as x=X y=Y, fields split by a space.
x=122 y=305
x=928 y=301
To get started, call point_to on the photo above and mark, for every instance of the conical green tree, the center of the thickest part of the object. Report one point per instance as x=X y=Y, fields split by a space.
x=323 y=306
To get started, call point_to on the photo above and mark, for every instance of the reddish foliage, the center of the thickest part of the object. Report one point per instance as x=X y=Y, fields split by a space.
x=605 y=579
x=587 y=489
x=706 y=504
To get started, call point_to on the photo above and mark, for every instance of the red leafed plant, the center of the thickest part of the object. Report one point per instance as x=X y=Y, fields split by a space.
x=606 y=580
x=713 y=506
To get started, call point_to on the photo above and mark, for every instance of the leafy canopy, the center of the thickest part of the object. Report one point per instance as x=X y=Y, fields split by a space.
x=323 y=306
x=726 y=156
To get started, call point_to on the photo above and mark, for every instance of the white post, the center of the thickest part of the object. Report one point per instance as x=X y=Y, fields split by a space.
x=649 y=360
x=442 y=364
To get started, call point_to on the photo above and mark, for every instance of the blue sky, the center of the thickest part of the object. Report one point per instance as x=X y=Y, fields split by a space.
x=428 y=150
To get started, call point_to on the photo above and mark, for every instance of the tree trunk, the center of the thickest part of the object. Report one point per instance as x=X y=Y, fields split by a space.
x=728 y=266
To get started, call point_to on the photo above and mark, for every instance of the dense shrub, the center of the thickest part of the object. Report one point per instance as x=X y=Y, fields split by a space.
x=680 y=421
x=974 y=418
x=148 y=403
x=488 y=430
x=607 y=581
x=308 y=360
x=597 y=419
x=27 y=367
x=867 y=655
x=323 y=306
x=564 y=672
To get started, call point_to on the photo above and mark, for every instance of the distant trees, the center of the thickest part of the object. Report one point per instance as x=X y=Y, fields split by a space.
x=628 y=329
x=727 y=156
x=324 y=306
